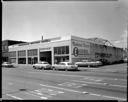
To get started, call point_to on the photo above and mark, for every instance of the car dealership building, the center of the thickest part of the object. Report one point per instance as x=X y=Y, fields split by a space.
x=70 y=48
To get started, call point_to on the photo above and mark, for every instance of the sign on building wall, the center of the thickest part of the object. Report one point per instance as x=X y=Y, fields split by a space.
x=80 y=49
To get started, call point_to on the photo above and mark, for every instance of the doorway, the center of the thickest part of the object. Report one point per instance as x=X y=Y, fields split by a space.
x=46 y=56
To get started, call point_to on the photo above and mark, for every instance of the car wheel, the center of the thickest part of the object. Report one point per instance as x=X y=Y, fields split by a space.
x=34 y=67
x=53 y=68
x=66 y=69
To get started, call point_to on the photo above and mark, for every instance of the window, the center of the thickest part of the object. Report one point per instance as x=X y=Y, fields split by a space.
x=67 y=49
x=32 y=52
x=32 y=60
x=61 y=50
x=12 y=54
x=22 y=53
x=21 y=60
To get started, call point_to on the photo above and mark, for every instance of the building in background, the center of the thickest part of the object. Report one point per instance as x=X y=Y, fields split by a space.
x=70 y=48
x=5 y=44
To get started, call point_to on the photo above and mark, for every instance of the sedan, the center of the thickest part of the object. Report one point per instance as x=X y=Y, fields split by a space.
x=87 y=63
x=7 y=64
x=42 y=65
x=65 y=66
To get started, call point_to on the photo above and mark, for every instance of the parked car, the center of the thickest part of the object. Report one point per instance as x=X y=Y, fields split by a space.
x=86 y=63
x=42 y=65
x=82 y=63
x=7 y=64
x=125 y=60
x=65 y=66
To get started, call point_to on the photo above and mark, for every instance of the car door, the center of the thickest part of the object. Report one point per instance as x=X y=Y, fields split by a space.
x=62 y=65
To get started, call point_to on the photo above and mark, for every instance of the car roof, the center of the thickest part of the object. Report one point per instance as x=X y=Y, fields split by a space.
x=65 y=62
x=42 y=61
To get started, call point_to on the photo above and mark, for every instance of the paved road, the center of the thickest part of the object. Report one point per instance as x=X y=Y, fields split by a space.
x=62 y=85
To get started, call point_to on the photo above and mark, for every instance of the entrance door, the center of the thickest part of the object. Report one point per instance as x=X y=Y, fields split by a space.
x=46 y=56
x=43 y=59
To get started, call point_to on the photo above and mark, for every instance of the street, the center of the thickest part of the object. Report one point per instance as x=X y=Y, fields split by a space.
x=26 y=83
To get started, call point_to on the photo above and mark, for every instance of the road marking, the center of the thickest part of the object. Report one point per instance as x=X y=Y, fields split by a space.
x=117 y=85
x=100 y=83
x=61 y=88
x=95 y=94
x=84 y=92
x=107 y=96
x=42 y=97
x=78 y=76
x=90 y=82
x=73 y=85
x=93 y=79
x=14 y=97
x=114 y=97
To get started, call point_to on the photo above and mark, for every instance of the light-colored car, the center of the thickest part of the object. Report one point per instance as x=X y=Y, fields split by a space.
x=65 y=66
x=7 y=64
x=95 y=63
x=87 y=63
x=125 y=60
x=82 y=63
x=42 y=65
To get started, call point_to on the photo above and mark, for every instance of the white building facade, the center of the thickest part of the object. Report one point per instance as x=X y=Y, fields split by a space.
x=59 y=49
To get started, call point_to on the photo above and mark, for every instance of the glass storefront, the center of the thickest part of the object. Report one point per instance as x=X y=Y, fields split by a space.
x=58 y=59
x=61 y=50
x=13 y=60
x=32 y=56
x=61 y=54
x=21 y=60
x=32 y=60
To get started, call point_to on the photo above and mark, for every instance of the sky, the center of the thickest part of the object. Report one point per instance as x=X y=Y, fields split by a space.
x=29 y=20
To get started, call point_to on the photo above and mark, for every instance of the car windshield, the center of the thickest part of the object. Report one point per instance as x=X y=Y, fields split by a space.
x=61 y=63
x=43 y=63
x=70 y=63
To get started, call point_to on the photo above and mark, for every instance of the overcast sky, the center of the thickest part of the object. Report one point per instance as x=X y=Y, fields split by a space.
x=28 y=21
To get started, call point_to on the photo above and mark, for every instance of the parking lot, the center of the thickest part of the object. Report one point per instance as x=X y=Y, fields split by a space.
x=102 y=83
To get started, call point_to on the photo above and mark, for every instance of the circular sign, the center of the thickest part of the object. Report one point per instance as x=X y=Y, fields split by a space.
x=75 y=51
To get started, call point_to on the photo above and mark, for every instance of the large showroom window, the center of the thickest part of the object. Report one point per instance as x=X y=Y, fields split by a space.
x=12 y=54
x=32 y=56
x=32 y=60
x=21 y=60
x=61 y=54
x=22 y=57
x=61 y=50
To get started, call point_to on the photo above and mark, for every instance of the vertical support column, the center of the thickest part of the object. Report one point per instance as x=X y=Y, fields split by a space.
x=52 y=49
x=16 y=57
x=38 y=55
x=26 y=56
x=70 y=51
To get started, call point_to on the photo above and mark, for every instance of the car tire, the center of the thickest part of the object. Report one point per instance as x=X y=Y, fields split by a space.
x=66 y=69
x=42 y=68
x=34 y=67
